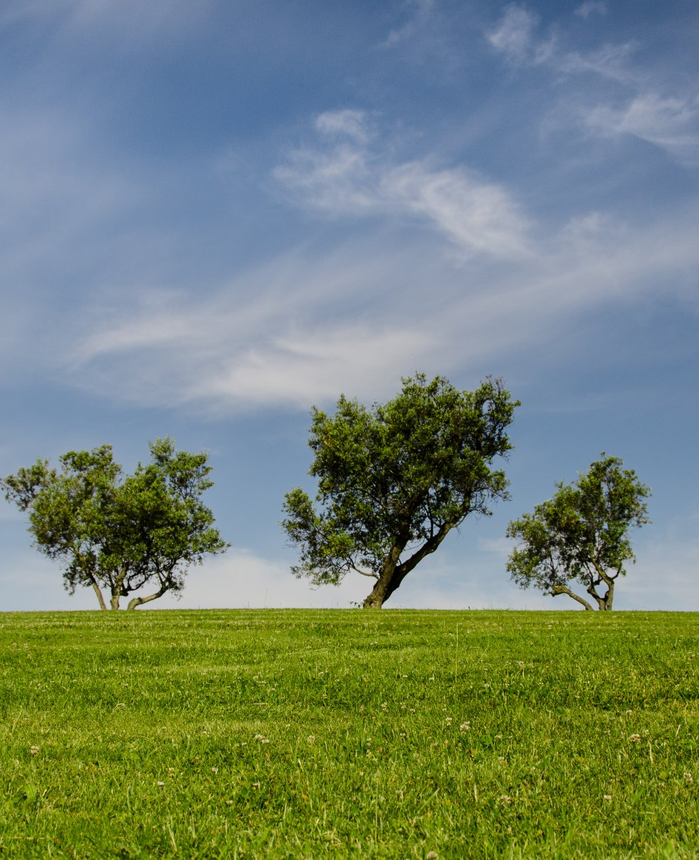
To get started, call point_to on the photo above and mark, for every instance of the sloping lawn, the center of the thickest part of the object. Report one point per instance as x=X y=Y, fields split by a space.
x=294 y=734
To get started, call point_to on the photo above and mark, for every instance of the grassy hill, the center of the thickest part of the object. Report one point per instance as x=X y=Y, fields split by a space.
x=292 y=734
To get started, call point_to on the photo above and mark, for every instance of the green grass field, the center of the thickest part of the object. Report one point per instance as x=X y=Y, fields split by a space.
x=349 y=733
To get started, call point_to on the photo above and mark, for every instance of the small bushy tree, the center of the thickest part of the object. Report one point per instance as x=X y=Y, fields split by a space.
x=120 y=533
x=395 y=479
x=581 y=535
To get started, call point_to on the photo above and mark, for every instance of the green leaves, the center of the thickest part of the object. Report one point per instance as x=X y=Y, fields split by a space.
x=581 y=534
x=117 y=532
x=394 y=479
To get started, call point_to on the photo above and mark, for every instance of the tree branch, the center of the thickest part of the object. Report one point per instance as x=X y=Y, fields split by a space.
x=428 y=547
x=563 y=589
x=100 y=596
x=369 y=573
x=139 y=601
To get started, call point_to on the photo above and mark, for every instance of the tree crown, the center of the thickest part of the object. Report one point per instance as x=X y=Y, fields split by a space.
x=117 y=531
x=582 y=533
x=403 y=472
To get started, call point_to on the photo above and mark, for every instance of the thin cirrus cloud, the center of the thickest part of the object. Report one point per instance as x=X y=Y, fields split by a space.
x=298 y=330
x=285 y=333
x=348 y=177
x=131 y=21
x=638 y=107
x=293 y=349
x=308 y=325
x=516 y=37
x=422 y=10
x=290 y=368
x=591 y=7
x=514 y=34
x=669 y=123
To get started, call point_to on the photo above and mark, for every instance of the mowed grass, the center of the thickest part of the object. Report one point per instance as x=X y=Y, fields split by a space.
x=349 y=733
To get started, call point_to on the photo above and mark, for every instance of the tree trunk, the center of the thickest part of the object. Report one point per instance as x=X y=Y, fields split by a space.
x=100 y=598
x=563 y=589
x=118 y=590
x=609 y=597
x=604 y=602
x=383 y=590
x=393 y=573
x=139 y=601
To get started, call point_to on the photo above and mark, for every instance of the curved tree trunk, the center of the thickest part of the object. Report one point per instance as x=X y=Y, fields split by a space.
x=393 y=573
x=100 y=597
x=383 y=590
x=563 y=589
x=139 y=601
x=604 y=602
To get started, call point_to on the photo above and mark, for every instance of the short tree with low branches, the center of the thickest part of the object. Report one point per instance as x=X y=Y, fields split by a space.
x=581 y=535
x=395 y=479
x=120 y=533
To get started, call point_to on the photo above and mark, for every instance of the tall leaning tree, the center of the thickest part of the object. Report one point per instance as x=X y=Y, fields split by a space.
x=581 y=536
x=396 y=478
x=118 y=533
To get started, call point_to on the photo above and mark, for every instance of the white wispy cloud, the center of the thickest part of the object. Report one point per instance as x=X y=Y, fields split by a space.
x=664 y=576
x=517 y=37
x=611 y=62
x=291 y=332
x=58 y=194
x=668 y=120
x=478 y=216
x=303 y=336
x=345 y=123
x=419 y=15
x=514 y=33
x=591 y=7
x=241 y=579
x=669 y=123
x=316 y=363
x=130 y=20
x=298 y=329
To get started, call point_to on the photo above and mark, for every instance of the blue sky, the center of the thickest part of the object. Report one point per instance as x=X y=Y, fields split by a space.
x=218 y=214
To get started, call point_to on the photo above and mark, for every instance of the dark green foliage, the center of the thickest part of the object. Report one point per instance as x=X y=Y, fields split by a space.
x=393 y=480
x=581 y=534
x=120 y=532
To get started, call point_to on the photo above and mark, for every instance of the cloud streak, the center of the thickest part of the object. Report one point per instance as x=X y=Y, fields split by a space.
x=298 y=330
x=478 y=216
x=668 y=120
x=304 y=336
x=671 y=124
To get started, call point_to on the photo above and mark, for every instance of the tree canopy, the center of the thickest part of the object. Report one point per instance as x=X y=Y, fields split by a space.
x=395 y=479
x=581 y=535
x=120 y=533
